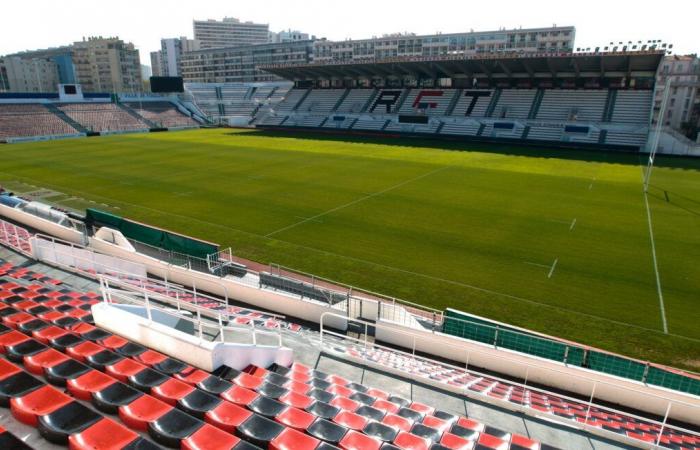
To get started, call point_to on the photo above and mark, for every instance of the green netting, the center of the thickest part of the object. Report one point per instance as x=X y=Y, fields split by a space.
x=152 y=236
x=675 y=381
x=463 y=325
x=615 y=365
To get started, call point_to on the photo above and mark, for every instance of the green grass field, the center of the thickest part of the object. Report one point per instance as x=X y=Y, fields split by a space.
x=553 y=240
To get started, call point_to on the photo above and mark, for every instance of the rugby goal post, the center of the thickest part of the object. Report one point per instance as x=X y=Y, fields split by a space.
x=657 y=134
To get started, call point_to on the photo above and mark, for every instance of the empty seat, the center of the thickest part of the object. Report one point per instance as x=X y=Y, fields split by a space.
x=227 y=416
x=210 y=438
x=17 y=385
x=295 y=418
x=69 y=419
x=172 y=427
x=259 y=430
x=291 y=439
x=37 y=403
x=106 y=435
x=197 y=403
x=143 y=410
x=112 y=397
x=327 y=431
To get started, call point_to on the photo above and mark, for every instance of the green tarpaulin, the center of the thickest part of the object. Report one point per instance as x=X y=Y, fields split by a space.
x=151 y=235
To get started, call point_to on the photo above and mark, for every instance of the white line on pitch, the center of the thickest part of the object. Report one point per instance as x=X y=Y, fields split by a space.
x=537 y=302
x=536 y=264
x=573 y=224
x=554 y=265
x=354 y=202
x=656 y=266
x=565 y=222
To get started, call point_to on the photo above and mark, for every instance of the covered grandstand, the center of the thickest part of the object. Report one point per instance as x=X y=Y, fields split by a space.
x=594 y=100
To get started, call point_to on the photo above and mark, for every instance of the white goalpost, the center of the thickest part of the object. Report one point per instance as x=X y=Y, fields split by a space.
x=657 y=134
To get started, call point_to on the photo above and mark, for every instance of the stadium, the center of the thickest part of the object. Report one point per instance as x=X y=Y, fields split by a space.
x=451 y=251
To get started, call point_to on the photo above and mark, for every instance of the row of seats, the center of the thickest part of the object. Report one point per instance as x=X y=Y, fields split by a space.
x=180 y=406
x=31 y=120
x=541 y=401
x=101 y=117
x=15 y=237
x=163 y=114
x=562 y=105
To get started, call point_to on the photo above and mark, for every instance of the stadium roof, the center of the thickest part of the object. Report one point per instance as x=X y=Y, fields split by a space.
x=539 y=65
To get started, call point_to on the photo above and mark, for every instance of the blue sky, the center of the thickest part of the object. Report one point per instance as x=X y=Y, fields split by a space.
x=47 y=23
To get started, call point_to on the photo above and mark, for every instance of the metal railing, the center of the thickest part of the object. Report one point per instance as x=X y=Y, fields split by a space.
x=114 y=291
x=391 y=308
x=153 y=285
x=590 y=405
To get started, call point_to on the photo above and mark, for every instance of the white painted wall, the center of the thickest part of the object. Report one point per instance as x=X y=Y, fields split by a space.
x=280 y=302
x=65 y=255
x=190 y=349
x=43 y=225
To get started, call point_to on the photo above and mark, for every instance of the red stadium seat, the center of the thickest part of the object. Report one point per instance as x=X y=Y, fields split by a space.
x=291 y=439
x=295 y=418
x=350 y=420
x=227 y=416
x=408 y=441
x=142 y=411
x=103 y=435
x=93 y=381
x=354 y=440
x=210 y=438
x=42 y=401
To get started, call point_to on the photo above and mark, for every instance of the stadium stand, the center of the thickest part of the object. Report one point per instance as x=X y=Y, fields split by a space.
x=101 y=117
x=163 y=114
x=632 y=107
x=47 y=333
x=429 y=101
x=546 y=115
x=322 y=101
x=568 y=105
x=356 y=101
x=47 y=327
x=514 y=103
x=19 y=120
x=473 y=102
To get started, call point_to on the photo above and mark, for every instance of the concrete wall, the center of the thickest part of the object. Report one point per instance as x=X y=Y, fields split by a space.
x=262 y=298
x=65 y=255
x=43 y=225
x=185 y=347
x=538 y=370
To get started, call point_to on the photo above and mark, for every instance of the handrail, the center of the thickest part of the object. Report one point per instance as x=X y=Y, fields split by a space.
x=465 y=391
x=136 y=280
x=109 y=294
x=351 y=289
x=146 y=291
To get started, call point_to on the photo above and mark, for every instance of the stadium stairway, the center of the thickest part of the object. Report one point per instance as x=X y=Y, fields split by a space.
x=301 y=100
x=137 y=116
x=453 y=103
x=63 y=116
